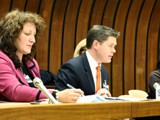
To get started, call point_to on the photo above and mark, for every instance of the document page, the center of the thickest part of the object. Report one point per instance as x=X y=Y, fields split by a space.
x=91 y=98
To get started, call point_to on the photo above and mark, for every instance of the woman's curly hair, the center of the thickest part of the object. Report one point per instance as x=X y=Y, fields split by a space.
x=10 y=27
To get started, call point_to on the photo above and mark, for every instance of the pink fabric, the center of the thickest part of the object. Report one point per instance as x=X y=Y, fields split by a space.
x=11 y=89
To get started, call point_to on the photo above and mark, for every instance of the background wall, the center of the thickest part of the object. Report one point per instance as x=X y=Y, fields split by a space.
x=69 y=20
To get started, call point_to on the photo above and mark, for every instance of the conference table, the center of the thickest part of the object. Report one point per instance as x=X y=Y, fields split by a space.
x=110 y=110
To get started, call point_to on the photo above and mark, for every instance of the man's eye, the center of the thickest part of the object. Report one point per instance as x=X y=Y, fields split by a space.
x=111 y=46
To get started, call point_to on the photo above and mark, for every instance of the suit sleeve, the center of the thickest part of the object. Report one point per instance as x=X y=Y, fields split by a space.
x=67 y=74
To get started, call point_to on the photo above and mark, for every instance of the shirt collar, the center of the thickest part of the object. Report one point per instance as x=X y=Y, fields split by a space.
x=91 y=60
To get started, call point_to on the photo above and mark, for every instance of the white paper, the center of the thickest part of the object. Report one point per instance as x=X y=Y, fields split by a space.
x=91 y=98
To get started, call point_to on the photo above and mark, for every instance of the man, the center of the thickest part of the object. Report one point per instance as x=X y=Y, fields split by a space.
x=80 y=72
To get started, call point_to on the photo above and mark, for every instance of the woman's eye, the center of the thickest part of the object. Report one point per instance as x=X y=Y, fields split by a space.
x=27 y=34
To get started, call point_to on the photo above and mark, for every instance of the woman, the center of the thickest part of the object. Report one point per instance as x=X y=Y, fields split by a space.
x=18 y=33
x=80 y=48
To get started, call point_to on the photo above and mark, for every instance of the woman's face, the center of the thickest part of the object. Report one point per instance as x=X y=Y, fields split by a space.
x=26 y=39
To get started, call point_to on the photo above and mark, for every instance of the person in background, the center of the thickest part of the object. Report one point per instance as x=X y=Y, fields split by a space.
x=158 y=63
x=18 y=34
x=81 y=72
x=153 y=78
x=80 y=48
x=48 y=78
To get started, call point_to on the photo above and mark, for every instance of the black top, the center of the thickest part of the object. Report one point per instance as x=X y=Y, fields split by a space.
x=29 y=78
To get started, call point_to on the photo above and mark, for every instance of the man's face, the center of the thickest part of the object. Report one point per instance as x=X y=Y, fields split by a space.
x=106 y=50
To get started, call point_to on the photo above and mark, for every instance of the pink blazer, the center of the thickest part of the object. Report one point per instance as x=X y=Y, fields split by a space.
x=13 y=85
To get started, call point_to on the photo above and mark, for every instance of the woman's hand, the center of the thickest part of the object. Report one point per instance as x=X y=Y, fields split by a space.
x=69 y=95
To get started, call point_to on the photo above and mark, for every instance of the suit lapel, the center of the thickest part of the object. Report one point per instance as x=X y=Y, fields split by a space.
x=88 y=72
x=102 y=77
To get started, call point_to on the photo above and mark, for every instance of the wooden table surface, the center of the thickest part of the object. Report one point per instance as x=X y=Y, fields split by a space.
x=111 y=110
x=146 y=108
x=75 y=111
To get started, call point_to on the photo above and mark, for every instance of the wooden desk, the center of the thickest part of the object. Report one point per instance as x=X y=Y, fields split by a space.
x=76 y=111
x=145 y=108
x=79 y=111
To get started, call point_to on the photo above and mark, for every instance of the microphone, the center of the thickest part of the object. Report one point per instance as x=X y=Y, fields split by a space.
x=39 y=84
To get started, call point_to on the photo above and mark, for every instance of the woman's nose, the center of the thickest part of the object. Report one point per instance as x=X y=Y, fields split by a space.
x=33 y=39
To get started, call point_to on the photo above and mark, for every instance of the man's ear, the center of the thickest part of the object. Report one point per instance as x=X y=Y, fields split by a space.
x=96 y=44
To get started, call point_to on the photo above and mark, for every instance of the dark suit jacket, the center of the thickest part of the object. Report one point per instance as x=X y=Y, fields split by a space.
x=77 y=73
x=154 y=77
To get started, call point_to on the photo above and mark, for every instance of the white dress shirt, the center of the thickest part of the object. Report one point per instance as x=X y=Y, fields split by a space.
x=93 y=64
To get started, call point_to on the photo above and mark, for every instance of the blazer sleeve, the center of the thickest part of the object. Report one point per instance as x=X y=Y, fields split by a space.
x=67 y=74
x=13 y=86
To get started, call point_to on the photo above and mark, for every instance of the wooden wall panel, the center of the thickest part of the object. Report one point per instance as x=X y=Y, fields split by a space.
x=118 y=58
x=4 y=7
x=83 y=19
x=33 y=5
x=108 y=20
x=97 y=13
x=20 y=4
x=141 y=42
x=56 y=35
x=130 y=40
x=68 y=21
x=43 y=43
x=70 y=24
x=152 y=39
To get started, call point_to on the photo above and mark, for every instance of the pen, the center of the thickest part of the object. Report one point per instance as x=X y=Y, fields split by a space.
x=70 y=86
